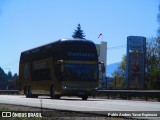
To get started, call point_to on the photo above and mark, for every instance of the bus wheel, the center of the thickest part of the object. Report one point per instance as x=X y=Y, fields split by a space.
x=29 y=92
x=52 y=93
x=57 y=97
x=27 y=96
x=85 y=97
x=25 y=89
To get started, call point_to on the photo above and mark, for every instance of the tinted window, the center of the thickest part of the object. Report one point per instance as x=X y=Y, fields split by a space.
x=80 y=72
x=41 y=74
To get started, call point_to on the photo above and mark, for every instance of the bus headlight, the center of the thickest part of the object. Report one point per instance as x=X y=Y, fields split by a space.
x=96 y=89
x=64 y=87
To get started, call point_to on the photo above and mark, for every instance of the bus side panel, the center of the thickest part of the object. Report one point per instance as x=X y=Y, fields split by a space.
x=43 y=76
x=32 y=74
x=24 y=76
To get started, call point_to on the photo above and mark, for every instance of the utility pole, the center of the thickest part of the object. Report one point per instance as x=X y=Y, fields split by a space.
x=115 y=82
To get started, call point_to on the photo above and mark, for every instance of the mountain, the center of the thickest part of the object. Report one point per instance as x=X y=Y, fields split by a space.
x=111 y=68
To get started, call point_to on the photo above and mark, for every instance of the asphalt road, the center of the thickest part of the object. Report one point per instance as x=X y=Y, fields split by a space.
x=76 y=104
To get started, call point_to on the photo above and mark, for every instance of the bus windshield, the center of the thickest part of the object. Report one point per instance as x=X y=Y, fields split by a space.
x=80 y=72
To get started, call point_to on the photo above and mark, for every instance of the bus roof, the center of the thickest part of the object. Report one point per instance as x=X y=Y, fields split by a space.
x=60 y=40
x=62 y=49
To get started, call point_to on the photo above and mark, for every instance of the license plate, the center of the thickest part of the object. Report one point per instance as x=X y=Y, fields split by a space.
x=81 y=93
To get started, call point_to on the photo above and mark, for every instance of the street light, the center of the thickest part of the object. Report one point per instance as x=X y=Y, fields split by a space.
x=7 y=87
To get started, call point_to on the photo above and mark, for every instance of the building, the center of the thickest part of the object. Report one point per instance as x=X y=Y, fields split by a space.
x=102 y=53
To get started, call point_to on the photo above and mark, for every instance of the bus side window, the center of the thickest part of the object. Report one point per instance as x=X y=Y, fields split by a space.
x=41 y=74
x=58 y=74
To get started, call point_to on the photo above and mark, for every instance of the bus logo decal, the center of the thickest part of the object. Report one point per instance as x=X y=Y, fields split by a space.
x=79 y=54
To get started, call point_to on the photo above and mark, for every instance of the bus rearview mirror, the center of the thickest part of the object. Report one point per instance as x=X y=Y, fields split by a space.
x=62 y=68
x=102 y=67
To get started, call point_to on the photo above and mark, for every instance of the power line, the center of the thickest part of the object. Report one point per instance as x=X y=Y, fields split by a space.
x=109 y=48
x=116 y=47
x=9 y=64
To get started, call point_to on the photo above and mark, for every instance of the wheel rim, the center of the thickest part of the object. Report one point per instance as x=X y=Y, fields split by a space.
x=29 y=92
x=52 y=92
x=25 y=90
x=84 y=97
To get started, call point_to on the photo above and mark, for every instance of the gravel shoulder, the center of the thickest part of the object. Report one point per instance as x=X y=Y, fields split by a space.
x=54 y=114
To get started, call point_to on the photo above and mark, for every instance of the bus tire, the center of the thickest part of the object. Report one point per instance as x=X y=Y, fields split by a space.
x=29 y=92
x=52 y=93
x=85 y=97
x=25 y=90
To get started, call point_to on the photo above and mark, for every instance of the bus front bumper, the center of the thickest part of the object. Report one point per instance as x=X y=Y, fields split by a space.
x=71 y=91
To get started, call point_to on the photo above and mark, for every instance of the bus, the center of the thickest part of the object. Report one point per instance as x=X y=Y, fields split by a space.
x=66 y=67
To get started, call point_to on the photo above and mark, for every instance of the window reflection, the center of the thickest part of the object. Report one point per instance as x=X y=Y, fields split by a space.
x=80 y=72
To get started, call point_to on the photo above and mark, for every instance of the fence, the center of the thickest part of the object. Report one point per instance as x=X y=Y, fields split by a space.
x=128 y=94
x=125 y=94
x=9 y=92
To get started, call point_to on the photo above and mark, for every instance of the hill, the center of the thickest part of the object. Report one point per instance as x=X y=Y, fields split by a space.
x=111 y=68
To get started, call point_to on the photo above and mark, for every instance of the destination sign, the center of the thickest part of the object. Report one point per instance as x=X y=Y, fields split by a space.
x=136 y=43
x=80 y=54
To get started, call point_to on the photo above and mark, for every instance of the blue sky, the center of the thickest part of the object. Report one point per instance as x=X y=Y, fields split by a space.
x=25 y=24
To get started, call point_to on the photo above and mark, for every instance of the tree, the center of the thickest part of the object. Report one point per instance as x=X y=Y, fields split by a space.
x=119 y=75
x=78 y=33
x=3 y=76
x=9 y=75
x=3 y=79
x=152 y=80
x=8 y=80
x=152 y=67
